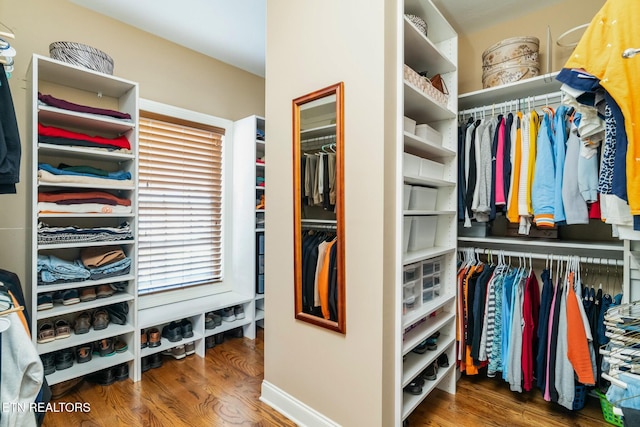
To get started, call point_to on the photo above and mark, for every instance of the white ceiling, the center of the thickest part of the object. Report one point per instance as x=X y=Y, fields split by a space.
x=233 y=31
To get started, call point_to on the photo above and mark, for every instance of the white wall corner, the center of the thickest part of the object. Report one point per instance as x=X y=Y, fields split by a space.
x=297 y=411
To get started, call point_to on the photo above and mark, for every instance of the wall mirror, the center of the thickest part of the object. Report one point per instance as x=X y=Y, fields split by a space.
x=318 y=162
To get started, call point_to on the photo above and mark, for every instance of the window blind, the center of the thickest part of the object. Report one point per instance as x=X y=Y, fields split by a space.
x=179 y=205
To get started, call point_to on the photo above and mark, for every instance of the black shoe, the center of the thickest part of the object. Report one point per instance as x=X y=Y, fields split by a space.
x=431 y=372
x=146 y=364
x=186 y=328
x=155 y=360
x=210 y=341
x=64 y=359
x=415 y=386
x=48 y=363
x=235 y=333
x=118 y=313
x=219 y=338
x=83 y=353
x=443 y=360
x=121 y=372
x=103 y=377
x=172 y=332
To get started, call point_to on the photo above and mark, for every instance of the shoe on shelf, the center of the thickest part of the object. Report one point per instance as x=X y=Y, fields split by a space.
x=153 y=336
x=155 y=360
x=120 y=346
x=88 y=294
x=443 y=360
x=210 y=341
x=235 y=332
x=431 y=372
x=100 y=319
x=414 y=387
x=190 y=348
x=238 y=311
x=218 y=338
x=105 y=347
x=62 y=389
x=145 y=363
x=45 y=301
x=118 y=313
x=48 y=363
x=186 y=328
x=217 y=319
x=64 y=359
x=172 y=332
x=46 y=333
x=261 y=204
x=69 y=297
x=104 y=291
x=121 y=371
x=177 y=352
x=84 y=353
x=228 y=314
x=63 y=329
x=208 y=321
x=103 y=377
x=82 y=324
x=119 y=286
x=143 y=339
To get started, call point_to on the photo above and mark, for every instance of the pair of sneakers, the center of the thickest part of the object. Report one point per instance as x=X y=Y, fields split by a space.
x=231 y=314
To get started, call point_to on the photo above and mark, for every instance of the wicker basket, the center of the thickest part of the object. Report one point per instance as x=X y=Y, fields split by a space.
x=424 y=85
x=82 y=55
x=418 y=22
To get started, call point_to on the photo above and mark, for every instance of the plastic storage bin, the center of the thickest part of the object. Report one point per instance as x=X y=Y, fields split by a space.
x=409 y=125
x=428 y=133
x=423 y=198
x=406 y=197
x=406 y=233
x=410 y=289
x=430 y=169
x=423 y=232
x=409 y=304
x=431 y=266
x=411 y=273
x=411 y=166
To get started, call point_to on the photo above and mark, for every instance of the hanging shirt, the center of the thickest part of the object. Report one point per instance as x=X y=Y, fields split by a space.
x=499 y=182
x=514 y=192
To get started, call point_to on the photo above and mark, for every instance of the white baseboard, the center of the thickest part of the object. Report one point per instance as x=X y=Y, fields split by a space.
x=292 y=408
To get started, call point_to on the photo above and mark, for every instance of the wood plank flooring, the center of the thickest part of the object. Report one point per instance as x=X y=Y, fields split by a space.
x=223 y=390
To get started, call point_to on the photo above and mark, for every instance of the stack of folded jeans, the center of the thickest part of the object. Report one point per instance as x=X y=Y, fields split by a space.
x=52 y=270
x=105 y=261
x=72 y=234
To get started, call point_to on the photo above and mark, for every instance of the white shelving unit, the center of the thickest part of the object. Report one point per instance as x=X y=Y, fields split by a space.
x=427 y=296
x=251 y=150
x=77 y=84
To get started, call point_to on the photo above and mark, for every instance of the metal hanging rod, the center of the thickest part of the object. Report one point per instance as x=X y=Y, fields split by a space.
x=583 y=260
x=318 y=224
x=519 y=103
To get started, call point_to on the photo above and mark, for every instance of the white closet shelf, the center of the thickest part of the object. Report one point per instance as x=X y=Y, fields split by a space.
x=538 y=85
x=259 y=297
x=82 y=152
x=560 y=247
x=95 y=364
x=425 y=310
x=421 y=54
x=410 y=401
x=259 y=314
x=70 y=75
x=83 y=284
x=61 y=310
x=227 y=326
x=260 y=187
x=259 y=210
x=426 y=213
x=127 y=187
x=439 y=29
x=260 y=165
x=165 y=344
x=415 y=256
x=318 y=132
x=148 y=317
x=74 y=340
x=44 y=247
x=416 y=363
x=423 y=148
x=86 y=215
x=429 y=182
x=422 y=108
x=259 y=230
x=93 y=122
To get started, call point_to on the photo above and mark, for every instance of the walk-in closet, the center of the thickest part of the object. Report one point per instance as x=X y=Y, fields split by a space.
x=365 y=213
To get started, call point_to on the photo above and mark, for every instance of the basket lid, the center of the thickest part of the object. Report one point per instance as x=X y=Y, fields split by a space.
x=512 y=40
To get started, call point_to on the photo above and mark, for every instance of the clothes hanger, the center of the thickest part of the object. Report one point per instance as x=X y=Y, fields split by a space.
x=9 y=34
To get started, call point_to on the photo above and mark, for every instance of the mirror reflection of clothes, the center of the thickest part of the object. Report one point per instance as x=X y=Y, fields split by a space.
x=320 y=275
x=319 y=174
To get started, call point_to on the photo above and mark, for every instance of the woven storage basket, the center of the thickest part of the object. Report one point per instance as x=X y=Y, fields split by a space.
x=418 y=22
x=81 y=55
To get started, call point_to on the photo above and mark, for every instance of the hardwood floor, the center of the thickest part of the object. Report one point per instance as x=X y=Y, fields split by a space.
x=223 y=390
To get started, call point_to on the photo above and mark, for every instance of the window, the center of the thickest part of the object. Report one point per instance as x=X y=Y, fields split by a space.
x=180 y=203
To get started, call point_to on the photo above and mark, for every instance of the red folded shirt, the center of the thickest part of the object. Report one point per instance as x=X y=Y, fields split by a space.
x=52 y=131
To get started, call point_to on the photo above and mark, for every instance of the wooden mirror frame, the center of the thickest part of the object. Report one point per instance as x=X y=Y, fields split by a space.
x=339 y=325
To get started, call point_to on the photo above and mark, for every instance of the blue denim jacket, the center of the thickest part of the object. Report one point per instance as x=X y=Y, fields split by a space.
x=543 y=187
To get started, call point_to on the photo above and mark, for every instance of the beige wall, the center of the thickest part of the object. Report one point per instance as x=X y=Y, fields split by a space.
x=166 y=73
x=340 y=376
x=560 y=17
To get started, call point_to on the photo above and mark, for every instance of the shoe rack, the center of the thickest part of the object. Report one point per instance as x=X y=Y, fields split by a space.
x=55 y=319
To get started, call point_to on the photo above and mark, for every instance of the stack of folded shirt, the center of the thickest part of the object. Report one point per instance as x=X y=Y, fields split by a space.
x=65 y=174
x=56 y=270
x=105 y=261
x=72 y=234
x=82 y=202
x=66 y=105
x=59 y=136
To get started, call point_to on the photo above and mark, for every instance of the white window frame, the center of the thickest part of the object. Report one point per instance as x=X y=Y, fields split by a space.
x=198 y=291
